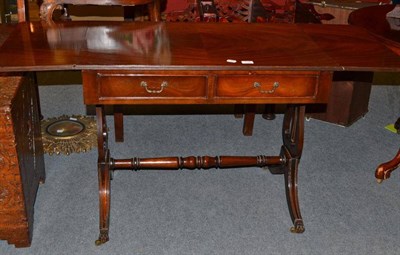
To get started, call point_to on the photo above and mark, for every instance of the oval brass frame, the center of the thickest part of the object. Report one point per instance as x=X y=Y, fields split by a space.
x=77 y=142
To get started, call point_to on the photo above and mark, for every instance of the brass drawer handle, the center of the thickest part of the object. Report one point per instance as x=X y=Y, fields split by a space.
x=153 y=91
x=274 y=87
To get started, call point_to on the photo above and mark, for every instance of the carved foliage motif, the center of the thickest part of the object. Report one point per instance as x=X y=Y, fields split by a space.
x=9 y=170
x=21 y=158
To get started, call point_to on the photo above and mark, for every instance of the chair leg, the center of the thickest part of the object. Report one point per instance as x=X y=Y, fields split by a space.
x=384 y=170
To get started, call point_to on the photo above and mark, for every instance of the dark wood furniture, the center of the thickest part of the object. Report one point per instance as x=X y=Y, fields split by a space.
x=21 y=154
x=21 y=150
x=47 y=7
x=374 y=20
x=21 y=158
x=348 y=101
x=186 y=64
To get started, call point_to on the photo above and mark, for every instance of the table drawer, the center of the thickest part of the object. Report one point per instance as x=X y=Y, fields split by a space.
x=134 y=86
x=268 y=85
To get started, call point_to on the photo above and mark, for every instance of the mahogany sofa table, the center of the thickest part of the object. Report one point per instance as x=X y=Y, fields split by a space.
x=199 y=63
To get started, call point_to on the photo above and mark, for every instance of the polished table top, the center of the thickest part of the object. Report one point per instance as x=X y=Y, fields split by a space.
x=374 y=20
x=192 y=46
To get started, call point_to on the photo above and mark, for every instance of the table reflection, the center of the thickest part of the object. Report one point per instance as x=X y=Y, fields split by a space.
x=149 y=40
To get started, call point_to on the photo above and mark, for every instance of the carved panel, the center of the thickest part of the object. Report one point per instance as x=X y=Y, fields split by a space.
x=21 y=158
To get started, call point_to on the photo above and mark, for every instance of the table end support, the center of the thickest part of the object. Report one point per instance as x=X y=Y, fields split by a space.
x=293 y=138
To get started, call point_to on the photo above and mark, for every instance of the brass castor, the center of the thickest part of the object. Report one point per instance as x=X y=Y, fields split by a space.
x=298 y=228
x=103 y=238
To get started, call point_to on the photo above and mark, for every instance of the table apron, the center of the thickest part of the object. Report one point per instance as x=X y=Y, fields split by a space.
x=109 y=87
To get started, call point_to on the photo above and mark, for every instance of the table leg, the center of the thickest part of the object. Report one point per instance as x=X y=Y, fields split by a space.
x=118 y=123
x=104 y=175
x=286 y=163
x=293 y=137
x=250 y=113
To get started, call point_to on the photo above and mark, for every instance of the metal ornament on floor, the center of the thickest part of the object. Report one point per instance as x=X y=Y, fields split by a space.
x=69 y=134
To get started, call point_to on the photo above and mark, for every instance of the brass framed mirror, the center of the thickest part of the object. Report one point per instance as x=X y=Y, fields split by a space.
x=68 y=134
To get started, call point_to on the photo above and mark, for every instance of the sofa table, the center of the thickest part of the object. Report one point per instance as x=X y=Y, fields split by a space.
x=198 y=63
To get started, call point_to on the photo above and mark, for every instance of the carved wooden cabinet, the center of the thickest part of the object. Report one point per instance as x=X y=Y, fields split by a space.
x=21 y=158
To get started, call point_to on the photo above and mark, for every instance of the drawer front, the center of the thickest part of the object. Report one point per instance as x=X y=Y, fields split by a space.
x=268 y=86
x=145 y=86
